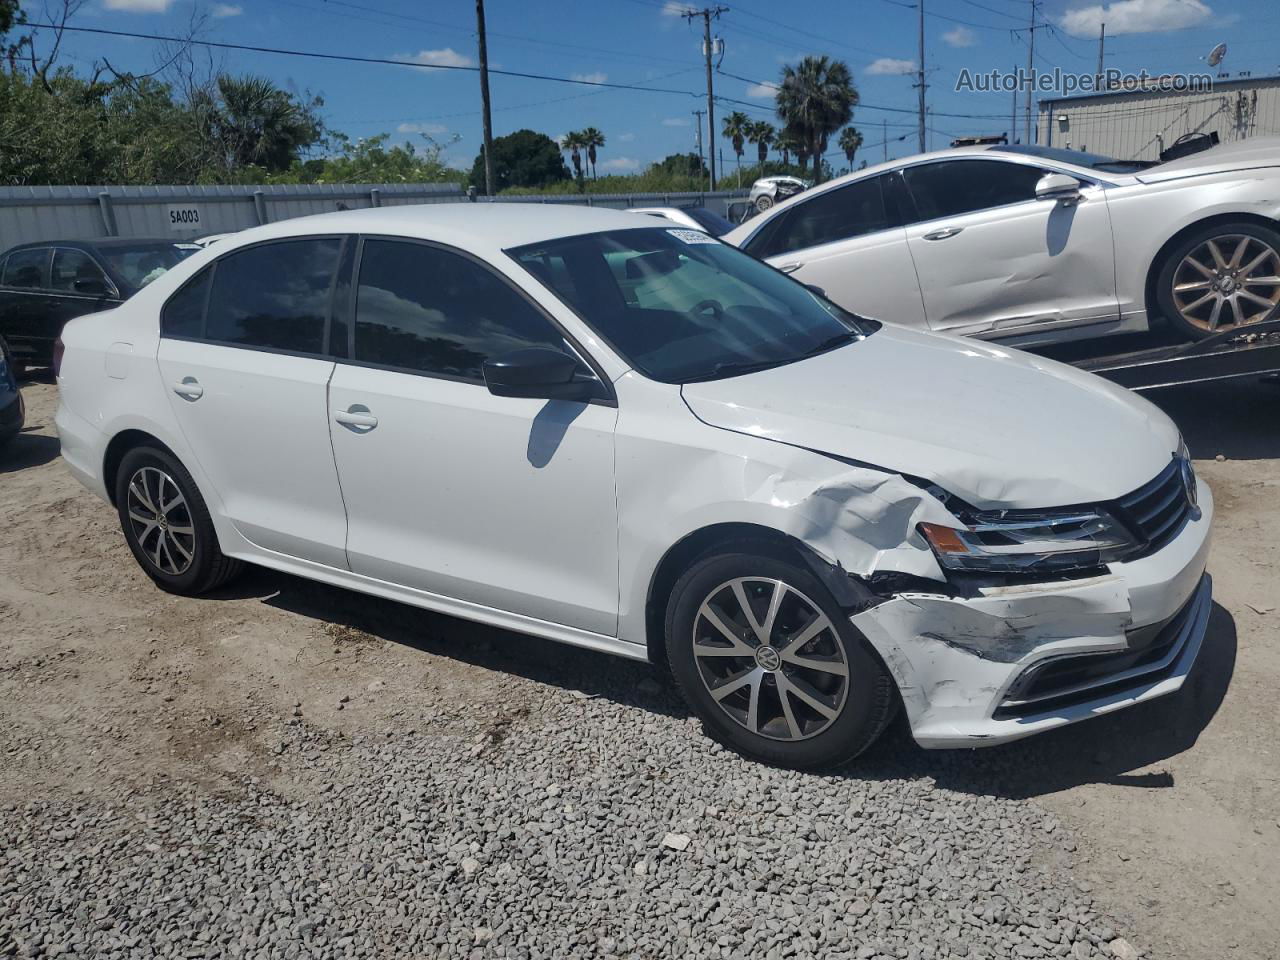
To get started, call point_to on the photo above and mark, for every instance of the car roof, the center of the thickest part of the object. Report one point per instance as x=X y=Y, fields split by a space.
x=480 y=226
x=104 y=242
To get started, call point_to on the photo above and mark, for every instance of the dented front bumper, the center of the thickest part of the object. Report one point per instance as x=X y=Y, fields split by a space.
x=961 y=663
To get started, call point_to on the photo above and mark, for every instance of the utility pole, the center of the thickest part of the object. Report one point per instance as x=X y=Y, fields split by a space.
x=1013 y=117
x=884 y=135
x=708 y=14
x=1031 y=65
x=484 y=101
x=920 y=75
x=698 y=114
x=1102 y=43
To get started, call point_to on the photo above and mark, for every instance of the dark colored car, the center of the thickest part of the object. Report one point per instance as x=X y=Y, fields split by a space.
x=12 y=412
x=43 y=285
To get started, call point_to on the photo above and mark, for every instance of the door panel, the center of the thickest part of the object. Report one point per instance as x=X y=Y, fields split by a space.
x=258 y=425
x=1018 y=265
x=503 y=502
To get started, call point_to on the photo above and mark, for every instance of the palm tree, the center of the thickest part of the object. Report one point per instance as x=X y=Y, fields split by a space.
x=817 y=98
x=736 y=127
x=591 y=139
x=574 y=141
x=762 y=133
x=787 y=143
x=850 y=141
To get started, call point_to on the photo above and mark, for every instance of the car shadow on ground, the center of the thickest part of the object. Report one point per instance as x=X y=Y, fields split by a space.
x=1104 y=750
x=27 y=450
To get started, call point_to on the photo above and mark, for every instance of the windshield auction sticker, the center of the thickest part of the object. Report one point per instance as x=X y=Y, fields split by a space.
x=692 y=236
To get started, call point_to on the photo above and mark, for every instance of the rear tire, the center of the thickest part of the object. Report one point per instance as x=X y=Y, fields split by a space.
x=1210 y=281
x=806 y=690
x=167 y=525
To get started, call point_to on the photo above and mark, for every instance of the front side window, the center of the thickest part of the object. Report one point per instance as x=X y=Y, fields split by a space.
x=75 y=266
x=274 y=296
x=425 y=309
x=680 y=306
x=839 y=214
x=954 y=187
x=26 y=268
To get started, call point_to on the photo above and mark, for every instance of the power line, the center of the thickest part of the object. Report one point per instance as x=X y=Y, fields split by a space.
x=868 y=106
x=347 y=58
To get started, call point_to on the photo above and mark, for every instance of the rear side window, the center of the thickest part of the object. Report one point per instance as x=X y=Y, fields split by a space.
x=70 y=266
x=841 y=214
x=275 y=296
x=425 y=309
x=26 y=268
x=955 y=187
x=183 y=314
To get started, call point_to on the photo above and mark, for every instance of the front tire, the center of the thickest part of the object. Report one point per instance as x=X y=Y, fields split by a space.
x=770 y=664
x=764 y=202
x=1224 y=277
x=167 y=525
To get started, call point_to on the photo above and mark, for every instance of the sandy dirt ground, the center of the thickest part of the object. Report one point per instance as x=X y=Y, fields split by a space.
x=105 y=679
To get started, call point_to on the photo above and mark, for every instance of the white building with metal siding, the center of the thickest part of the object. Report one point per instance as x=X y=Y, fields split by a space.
x=1138 y=125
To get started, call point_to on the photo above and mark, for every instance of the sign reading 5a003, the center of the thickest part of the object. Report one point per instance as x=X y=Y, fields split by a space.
x=184 y=217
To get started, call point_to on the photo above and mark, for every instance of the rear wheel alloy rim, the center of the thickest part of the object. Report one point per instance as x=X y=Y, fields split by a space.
x=1227 y=281
x=770 y=658
x=161 y=521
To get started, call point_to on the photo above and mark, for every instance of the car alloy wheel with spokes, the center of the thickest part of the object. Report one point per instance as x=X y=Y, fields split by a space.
x=1226 y=281
x=161 y=520
x=768 y=656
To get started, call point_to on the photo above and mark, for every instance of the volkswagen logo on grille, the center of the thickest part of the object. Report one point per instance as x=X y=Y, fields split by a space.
x=1189 y=482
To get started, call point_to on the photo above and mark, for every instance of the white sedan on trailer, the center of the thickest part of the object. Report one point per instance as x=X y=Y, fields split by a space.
x=631 y=437
x=1034 y=245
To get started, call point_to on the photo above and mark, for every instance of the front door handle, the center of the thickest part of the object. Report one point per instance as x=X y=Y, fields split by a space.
x=189 y=389
x=943 y=234
x=790 y=267
x=357 y=417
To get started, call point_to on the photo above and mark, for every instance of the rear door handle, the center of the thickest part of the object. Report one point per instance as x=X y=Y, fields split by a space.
x=189 y=389
x=790 y=267
x=356 y=416
x=943 y=234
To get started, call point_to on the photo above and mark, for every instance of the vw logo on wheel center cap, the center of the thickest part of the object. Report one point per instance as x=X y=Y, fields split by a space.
x=768 y=658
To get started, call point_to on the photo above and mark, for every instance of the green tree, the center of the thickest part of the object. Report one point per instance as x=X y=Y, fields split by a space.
x=787 y=143
x=735 y=128
x=574 y=142
x=816 y=98
x=850 y=141
x=592 y=139
x=681 y=165
x=762 y=134
x=522 y=159
x=250 y=122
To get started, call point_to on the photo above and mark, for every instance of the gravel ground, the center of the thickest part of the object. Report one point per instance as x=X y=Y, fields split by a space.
x=286 y=770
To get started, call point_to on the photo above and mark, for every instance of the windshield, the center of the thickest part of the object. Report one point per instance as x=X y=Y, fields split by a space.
x=679 y=306
x=1094 y=161
x=141 y=263
x=713 y=223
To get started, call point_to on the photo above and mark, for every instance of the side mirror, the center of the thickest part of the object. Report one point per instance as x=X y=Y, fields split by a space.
x=539 y=373
x=1058 y=186
x=92 y=287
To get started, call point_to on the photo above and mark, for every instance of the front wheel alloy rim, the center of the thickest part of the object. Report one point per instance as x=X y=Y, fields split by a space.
x=1227 y=281
x=161 y=521
x=770 y=658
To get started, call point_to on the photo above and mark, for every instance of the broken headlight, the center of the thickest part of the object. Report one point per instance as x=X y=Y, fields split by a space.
x=1029 y=541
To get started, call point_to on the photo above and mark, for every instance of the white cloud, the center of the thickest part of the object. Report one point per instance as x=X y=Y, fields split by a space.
x=596 y=77
x=625 y=137
x=620 y=164
x=448 y=57
x=960 y=37
x=762 y=91
x=673 y=8
x=138 y=6
x=221 y=10
x=675 y=122
x=889 y=67
x=1135 y=16
x=427 y=128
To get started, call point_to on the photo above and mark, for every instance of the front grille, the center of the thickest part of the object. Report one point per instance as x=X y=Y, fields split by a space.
x=1157 y=510
x=1065 y=681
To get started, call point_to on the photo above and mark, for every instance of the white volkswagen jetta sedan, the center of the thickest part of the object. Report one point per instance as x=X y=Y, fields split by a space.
x=1034 y=245
x=640 y=440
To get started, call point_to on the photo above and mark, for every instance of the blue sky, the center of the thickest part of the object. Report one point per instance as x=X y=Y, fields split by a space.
x=646 y=42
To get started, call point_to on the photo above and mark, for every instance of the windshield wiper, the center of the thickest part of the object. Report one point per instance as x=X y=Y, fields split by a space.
x=839 y=340
x=734 y=368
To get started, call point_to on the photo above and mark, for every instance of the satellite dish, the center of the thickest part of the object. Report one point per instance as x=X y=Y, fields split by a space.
x=1216 y=54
